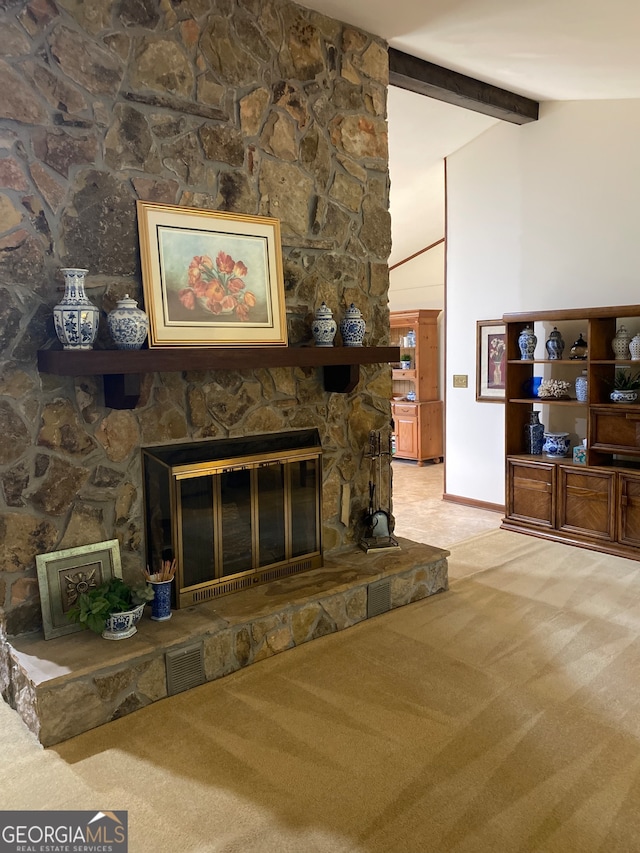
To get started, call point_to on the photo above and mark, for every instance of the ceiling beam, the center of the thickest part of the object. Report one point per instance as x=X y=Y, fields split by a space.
x=425 y=78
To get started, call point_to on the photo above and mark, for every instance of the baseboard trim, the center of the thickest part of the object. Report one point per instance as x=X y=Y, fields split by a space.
x=457 y=499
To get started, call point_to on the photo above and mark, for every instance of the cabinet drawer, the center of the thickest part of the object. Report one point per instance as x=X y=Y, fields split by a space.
x=407 y=410
x=616 y=431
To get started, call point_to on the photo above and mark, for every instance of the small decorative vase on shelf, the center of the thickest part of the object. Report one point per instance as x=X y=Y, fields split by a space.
x=161 y=603
x=579 y=349
x=582 y=387
x=555 y=344
x=556 y=444
x=352 y=327
x=527 y=342
x=324 y=327
x=534 y=434
x=405 y=362
x=620 y=344
x=75 y=317
x=128 y=324
x=634 y=348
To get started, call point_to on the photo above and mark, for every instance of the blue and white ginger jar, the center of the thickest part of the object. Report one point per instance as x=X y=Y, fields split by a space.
x=75 y=318
x=324 y=327
x=352 y=327
x=128 y=324
x=527 y=343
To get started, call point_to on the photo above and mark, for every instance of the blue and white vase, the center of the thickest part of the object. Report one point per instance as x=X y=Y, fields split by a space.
x=556 y=444
x=582 y=387
x=555 y=344
x=527 y=342
x=75 y=318
x=324 y=327
x=128 y=324
x=534 y=434
x=161 y=603
x=352 y=327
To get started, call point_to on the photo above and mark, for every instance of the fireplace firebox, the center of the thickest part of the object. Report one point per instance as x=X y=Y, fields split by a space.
x=234 y=512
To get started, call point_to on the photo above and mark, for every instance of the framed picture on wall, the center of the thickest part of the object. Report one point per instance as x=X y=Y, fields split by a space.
x=491 y=361
x=211 y=278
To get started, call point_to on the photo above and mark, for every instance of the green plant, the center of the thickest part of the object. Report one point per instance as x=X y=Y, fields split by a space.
x=92 y=608
x=624 y=380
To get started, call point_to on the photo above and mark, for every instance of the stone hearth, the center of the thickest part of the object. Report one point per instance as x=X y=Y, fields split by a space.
x=66 y=686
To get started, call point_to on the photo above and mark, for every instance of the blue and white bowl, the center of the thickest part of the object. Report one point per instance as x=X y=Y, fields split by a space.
x=119 y=626
x=556 y=444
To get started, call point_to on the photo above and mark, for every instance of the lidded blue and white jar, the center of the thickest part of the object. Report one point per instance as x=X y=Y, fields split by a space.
x=128 y=324
x=75 y=318
x=352 y=327
x=527 y=343
x=324 y=327
x=555 y=344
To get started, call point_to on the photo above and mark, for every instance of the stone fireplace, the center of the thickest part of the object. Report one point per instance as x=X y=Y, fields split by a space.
x=234 y=513
x=255 y=106
x=259 y=107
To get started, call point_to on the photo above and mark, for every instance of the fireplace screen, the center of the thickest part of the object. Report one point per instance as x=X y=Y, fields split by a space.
x=234 y=512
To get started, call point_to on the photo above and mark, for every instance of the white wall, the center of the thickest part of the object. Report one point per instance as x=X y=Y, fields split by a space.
x=418 y=283
x=541 y=216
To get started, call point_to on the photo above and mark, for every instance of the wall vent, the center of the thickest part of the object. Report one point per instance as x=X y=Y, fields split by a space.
x=378 y=598
x=185 y=669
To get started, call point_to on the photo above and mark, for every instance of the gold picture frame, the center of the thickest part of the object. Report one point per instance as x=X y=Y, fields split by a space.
x=211 y=278
x=491 y=361
x=63 y=575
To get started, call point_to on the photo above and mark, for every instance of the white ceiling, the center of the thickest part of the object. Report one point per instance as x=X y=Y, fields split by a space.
x=544 y=49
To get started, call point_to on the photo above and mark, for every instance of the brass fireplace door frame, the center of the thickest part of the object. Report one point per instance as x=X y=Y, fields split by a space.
x=222 y=585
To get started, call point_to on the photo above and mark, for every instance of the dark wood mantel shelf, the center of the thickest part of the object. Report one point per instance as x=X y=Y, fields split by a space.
x=121 y=369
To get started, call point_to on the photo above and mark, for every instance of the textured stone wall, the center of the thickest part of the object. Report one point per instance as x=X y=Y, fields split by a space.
x=254 y=106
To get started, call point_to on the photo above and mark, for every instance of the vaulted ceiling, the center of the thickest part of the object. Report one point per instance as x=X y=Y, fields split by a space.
x=544 y=49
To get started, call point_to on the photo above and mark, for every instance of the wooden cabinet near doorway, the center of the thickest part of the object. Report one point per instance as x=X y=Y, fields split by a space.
x=416 y=410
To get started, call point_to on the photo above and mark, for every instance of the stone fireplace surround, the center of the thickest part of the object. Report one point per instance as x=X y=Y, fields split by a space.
x=255 y=106
x=111 y=103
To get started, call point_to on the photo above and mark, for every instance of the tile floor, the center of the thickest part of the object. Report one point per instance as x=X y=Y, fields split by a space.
x=422 y=515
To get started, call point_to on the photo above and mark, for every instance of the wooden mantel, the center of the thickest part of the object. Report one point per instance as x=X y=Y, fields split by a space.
x=121 y=369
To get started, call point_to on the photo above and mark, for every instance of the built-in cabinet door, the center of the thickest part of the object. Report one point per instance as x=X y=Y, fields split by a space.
x=629 y=509
x=406 y=427
x=531 y=492
x=586 y=502
x=430 y=430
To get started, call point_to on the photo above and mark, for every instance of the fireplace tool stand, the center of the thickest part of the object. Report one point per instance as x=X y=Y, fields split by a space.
x=378 y=520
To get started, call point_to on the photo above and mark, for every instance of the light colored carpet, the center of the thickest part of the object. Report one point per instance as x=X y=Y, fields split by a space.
x=503 y=715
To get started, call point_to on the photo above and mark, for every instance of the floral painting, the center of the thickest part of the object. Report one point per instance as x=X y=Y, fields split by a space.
x=491 y=360
x=211 y=278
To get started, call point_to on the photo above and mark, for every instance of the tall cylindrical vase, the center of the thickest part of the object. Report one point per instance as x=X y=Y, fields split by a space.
x=161 y=604
x=534 y=434
x=75 y=317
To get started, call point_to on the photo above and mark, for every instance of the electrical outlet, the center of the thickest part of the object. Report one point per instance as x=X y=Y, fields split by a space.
x=460 y=380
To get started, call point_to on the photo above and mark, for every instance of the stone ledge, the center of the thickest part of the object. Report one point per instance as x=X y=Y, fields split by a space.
x=66 y=686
